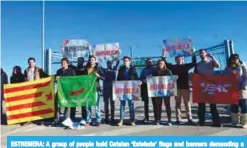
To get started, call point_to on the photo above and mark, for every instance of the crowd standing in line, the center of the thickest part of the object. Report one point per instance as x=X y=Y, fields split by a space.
x=127 y=73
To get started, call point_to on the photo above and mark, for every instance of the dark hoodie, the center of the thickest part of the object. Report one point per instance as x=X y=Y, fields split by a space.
x=17 y=78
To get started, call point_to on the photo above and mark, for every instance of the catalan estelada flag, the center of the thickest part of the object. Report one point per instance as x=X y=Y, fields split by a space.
x=29 y=101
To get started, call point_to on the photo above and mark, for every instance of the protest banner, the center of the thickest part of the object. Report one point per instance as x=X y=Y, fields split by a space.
x=215 y=89
x=126 y=90
x=177 y=47
x=29 y=101
x=76 y=48
x=106 y=52
x=76 y=91
x=162 y=86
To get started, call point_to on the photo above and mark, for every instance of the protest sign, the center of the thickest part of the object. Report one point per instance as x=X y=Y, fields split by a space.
x=76 y=91
x=76 y=48
x=106 y=52
x=126 y=90
x=162 y=86
x=177 y=47
x=215 y=89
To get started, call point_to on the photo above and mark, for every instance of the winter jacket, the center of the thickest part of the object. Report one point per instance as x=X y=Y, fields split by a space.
x=38 y=74
x=17 y=78
x=132 y=74
x=4 y=80
x=65 y=72
x=241 y=76
x=182 y=71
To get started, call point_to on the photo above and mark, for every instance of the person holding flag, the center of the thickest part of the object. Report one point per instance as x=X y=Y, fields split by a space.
x=206 y=67
x=63 y=72
x=236 y=67
x=33 y=72
x=94 y=68
x=126 y=73
x=80 y=70
x=17 y=75
x=4 y=80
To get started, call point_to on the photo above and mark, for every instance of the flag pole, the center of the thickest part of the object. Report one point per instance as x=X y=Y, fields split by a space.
x=43 y=34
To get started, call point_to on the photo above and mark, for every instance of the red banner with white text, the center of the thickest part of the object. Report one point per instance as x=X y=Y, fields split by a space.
x=215 y=89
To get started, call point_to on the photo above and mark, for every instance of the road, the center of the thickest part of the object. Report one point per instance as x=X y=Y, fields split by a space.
x=147 y=129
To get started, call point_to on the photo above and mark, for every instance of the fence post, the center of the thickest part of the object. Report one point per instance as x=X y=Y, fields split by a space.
x=48 y=61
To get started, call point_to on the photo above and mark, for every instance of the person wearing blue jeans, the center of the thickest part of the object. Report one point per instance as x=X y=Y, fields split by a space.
x=236 y=67
x=125 y=73
x=93 y=68
x=97 y=111
x=131 y=110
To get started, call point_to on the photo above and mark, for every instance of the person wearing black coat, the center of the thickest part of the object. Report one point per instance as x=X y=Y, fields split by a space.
x=63 y=72
x=125 y=73
x=17 y=75
x=161 y=70
x=4 y=80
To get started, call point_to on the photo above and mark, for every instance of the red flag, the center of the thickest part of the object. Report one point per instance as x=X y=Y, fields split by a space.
x=215 y=89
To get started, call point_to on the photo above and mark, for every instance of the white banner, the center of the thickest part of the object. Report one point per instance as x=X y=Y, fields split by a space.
x=76 y=48
x=126 y=90
x=177 y=47
x=162 y=86
x=106 y=52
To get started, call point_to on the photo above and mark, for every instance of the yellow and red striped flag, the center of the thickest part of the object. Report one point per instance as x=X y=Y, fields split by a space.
x=29 y=101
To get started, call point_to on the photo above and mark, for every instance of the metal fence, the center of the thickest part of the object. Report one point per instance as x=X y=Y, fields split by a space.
x=221 y=52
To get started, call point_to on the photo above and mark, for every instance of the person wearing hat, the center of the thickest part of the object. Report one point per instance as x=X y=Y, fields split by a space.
x=237 y=67
x=206 y=67
x=146 y=72
x=125 y=73
x=182 y=71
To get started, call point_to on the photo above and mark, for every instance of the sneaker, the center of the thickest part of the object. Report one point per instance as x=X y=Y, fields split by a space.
x=83 y=122
x=216 y=125
x=132 y=124
x=98 y=124
x=145 y=120
x=157 y=123
x=106 y=121
x=88 y=124
x=200 y=124
x=120 y=123
x=112 y=121
x=169 y=124
x=54 y=123
x=191 y=122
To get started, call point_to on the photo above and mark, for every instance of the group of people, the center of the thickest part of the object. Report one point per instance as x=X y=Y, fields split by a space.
x=127 y=72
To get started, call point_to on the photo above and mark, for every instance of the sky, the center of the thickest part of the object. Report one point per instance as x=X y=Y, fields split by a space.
x=142 y=25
